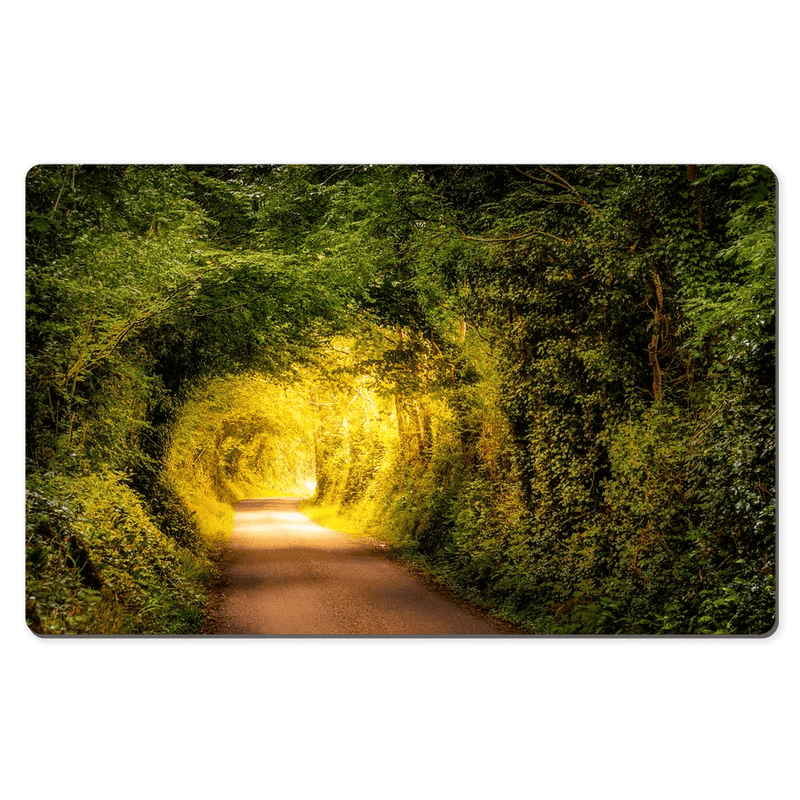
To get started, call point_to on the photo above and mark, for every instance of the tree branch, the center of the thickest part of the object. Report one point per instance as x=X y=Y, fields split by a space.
x=541 y=181
x=512 y=238
x=228 y=308
x=58 y=199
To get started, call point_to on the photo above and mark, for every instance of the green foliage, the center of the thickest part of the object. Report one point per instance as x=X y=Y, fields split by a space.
x=556 y=385
x=238 y=437
x=141 y=283
x=629 y=318
x=98 y=564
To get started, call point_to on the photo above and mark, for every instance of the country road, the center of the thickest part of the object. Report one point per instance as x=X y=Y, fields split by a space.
x=285 y=575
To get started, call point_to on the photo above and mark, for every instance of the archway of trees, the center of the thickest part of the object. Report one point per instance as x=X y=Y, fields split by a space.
x=553 y=385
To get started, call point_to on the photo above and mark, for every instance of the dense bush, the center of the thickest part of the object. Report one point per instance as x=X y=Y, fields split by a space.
x=591 y=360
x=97 y=563
x=137 y=291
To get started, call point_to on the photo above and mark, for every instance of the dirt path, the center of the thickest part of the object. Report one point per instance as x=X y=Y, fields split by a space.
x=284 y=574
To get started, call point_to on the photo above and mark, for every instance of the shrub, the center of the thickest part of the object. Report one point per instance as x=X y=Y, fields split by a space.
x=97 y=563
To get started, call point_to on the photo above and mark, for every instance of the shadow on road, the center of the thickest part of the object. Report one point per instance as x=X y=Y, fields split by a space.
x=282 y=574
x=268 y=504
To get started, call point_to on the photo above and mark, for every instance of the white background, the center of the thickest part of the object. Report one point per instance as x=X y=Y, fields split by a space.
x=574 y=82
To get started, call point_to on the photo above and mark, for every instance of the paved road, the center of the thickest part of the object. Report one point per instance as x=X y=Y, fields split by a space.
x=284 y=574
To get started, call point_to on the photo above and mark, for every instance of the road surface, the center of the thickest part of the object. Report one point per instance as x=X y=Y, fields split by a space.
x=284 y=574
